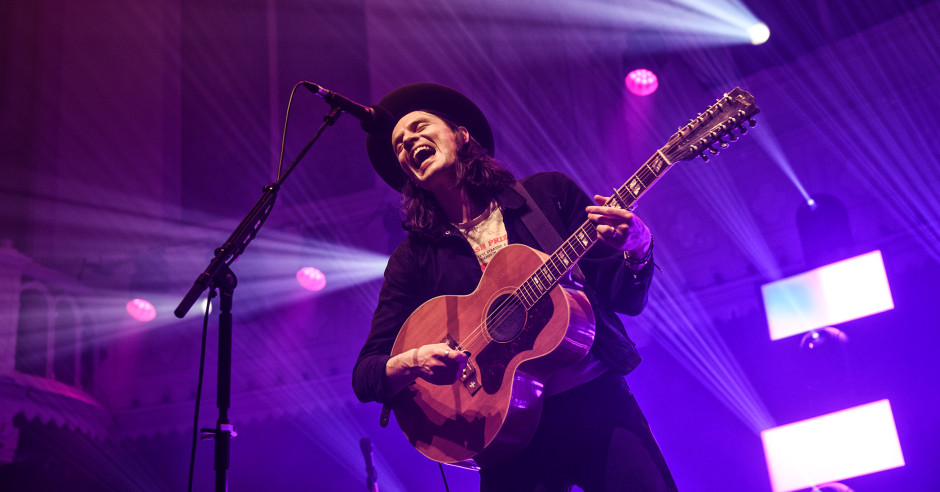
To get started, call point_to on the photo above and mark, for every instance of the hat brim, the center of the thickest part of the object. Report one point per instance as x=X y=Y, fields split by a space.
x=433 y=98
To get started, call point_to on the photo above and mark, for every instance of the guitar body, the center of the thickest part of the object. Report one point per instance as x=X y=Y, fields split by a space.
x=492 y=411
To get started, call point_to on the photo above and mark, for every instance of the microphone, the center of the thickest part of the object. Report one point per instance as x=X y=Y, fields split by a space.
x=373 y=118
x=371 y=477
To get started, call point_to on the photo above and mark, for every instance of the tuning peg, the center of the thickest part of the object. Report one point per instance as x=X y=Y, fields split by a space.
x=732 y=137
x=752 y=122
x=713 y=150
x=743 y=129
x=703 y=156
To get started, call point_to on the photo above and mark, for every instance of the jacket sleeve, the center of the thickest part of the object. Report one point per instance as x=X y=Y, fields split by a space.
x=615 y=284
x=399 y=297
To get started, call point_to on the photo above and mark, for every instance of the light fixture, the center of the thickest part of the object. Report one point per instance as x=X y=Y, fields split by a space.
x=141 y=310
x=311 y=279
x=642 y=82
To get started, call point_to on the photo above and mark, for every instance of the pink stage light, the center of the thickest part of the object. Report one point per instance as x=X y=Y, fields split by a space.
x=845 y=444
x=829 y=295
x=141 y=310
x=642 y=82
x=311 y=279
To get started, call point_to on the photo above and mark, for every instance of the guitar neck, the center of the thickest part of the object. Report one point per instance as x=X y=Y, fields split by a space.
x=702 y=134
x=583 y=239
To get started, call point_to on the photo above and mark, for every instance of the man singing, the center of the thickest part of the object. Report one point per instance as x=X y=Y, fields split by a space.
x=461 y=207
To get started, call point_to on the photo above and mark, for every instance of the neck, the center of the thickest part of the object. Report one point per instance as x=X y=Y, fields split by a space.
x=457 y=205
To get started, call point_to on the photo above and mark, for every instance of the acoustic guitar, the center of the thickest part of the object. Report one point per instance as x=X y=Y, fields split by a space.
x=522 y=322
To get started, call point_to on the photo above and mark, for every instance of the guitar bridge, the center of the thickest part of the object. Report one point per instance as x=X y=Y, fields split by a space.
x=469 y=378
x=469 y=374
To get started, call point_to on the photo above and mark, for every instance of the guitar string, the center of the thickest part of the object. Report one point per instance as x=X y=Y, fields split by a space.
x=645 y=172
x=502 y=312
x=497 y=316
x=525 y=293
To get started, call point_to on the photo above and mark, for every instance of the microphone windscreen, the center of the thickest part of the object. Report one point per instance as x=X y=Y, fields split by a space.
x=381 y=123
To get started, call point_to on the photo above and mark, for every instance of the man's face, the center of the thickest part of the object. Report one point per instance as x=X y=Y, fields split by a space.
x=427 y=147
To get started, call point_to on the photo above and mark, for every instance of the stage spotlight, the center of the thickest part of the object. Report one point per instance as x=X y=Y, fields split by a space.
x=759 y=33
x=311 y=279
x=141 y=310
x=833 y=487
x=642 y=82
x=822 y=338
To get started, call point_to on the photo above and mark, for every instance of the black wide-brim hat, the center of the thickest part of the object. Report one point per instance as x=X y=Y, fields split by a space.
x=432 y=98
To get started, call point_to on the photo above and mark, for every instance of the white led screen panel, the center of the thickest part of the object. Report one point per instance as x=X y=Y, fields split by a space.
x=828 y=295
x=845 y=444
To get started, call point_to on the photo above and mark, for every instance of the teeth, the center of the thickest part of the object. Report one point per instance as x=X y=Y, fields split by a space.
x=414 y=153
x=422 y=149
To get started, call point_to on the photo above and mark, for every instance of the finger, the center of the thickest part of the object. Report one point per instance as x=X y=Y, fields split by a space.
x=613 y=232
x=452 y=354
x=601 y=211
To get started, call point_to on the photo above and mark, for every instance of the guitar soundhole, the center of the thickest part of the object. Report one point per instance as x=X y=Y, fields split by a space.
x=505 y=318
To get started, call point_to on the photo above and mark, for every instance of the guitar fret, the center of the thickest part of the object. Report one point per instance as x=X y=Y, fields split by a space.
x=635 y=186
x=537 y=278
x=583 y=238
x=576 y=250
x=625 y=191
x=570 y=252
x=526 y=294
x=563 y=258
x=622 y=201
x=648 y=178
x=538 y=285
x=659 y=165
x=615 y=200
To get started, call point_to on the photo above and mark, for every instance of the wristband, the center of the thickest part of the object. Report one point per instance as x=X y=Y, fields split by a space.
x=639 y=261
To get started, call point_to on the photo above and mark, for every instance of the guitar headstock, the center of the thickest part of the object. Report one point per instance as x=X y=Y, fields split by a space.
x=706 y=133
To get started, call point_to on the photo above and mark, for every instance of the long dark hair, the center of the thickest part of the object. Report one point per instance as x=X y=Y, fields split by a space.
x=477 y=172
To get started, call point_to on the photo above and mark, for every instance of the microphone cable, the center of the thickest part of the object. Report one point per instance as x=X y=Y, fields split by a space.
x=280 y=158
x=446 y=488
x=202 y=367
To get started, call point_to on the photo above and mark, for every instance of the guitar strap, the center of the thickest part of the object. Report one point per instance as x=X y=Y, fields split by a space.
x=547 y=236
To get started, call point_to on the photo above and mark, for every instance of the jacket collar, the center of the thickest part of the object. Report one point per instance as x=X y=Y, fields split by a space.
x=507 y=198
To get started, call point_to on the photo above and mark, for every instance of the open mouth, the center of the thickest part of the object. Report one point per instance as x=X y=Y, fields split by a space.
x=421 y=154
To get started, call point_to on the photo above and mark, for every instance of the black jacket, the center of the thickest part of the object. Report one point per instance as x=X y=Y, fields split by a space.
x=443 y=263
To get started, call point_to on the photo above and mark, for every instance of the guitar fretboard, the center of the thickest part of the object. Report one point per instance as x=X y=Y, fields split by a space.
x=579 y=243
x=733 y=110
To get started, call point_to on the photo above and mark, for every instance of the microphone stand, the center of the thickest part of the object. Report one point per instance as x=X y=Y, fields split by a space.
x=218 y=275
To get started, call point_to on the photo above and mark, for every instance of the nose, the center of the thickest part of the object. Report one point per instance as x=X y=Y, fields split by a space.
x=408 y=139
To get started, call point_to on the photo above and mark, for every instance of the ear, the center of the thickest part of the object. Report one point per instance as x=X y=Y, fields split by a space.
x=463 y=136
